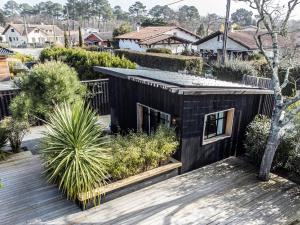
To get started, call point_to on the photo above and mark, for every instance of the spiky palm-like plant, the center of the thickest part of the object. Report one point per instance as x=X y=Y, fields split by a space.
x=74 y=155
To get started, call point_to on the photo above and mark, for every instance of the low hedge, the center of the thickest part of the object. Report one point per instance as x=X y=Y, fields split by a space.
x=166 y=62
x=287 y=155
x=159 y=50
x=83 y=61
x=233 y=70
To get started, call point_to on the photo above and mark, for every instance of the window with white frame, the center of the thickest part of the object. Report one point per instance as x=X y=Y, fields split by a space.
x=218 y=125
x=148 y=119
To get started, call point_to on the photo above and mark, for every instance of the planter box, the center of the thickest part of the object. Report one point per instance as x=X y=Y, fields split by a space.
x=130 y=184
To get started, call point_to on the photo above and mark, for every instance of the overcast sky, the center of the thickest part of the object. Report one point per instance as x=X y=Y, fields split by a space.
x=204 y=6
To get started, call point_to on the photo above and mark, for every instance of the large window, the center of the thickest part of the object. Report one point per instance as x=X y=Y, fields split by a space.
x=148 y=119
x=218 y=125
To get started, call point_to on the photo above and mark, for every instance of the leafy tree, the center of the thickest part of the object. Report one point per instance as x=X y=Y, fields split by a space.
x=11 y=8
x=43 y=87
x=137 y=10
x=2 y=18
x=123 y=29
x=162 y=12
x=26 y=9
x=213 y=23
x=188 y=16
x=274 y=18
x=120 y=14
x=153 y=22
x=66 y=39
x=201 y=30
x=242 y=17
x=101 y=9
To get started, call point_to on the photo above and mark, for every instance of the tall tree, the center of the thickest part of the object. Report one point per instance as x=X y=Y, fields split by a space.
x=162 y=12
x=137 y=10
x=2 y=18
x=188 y=17
x=201 y=30
x=11 y=8
x=80 y=37
x=26 y=9
x=213 y=23
x=274 y=18
x=119 y=14
x=242 y=17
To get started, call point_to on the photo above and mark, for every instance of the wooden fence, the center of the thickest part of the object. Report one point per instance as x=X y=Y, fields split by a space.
x=97 y=97
x=258 y=81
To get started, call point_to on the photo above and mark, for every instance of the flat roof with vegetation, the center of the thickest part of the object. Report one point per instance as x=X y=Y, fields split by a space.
x=182 y=83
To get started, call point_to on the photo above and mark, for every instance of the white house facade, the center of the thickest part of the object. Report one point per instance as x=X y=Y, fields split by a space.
x=176 y=39
x=36 y=34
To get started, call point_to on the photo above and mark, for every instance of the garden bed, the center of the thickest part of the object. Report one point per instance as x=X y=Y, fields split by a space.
x=130 y=184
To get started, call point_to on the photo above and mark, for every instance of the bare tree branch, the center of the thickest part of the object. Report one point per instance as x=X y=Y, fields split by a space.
x=291 y=6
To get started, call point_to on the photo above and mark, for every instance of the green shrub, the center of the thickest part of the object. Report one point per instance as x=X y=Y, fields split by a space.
x=138 y=152
x=74 y=156
x=233 y=70
x=83 y=61
x=16 y=130
x=256 y=141
x=3 y=140
x=165 y=62
x=43 y=87
x=159 y=50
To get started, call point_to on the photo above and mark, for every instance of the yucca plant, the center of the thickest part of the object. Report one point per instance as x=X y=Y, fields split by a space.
x=73 y=151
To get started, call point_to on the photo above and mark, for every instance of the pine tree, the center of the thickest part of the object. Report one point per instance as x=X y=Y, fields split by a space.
x=80 y=37
x=66 y=39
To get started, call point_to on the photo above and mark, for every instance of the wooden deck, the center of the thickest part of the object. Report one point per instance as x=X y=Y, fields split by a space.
x=26 y=197
x=226 y=192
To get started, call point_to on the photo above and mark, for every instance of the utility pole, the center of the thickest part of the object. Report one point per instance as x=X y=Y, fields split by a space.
x=225 y=34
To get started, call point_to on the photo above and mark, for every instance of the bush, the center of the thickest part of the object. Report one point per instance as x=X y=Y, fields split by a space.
x=16 y=130
x=166 y=62
x=233 y=70
x=138 y=152
x=256 y=141
x=83 y=61
x=43 y=87
x=159 y=50
x=23 y=58
x=73 y=153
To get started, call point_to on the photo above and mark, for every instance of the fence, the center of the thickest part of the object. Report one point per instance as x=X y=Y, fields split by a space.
x=97 y=97
x=258 y=81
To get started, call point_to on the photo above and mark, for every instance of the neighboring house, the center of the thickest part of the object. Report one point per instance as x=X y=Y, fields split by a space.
x=4 y=68
x=33 y=34
x=240 y=43
x=175 y=38
x=98 y=38
x=210 y=116
x=2 y=37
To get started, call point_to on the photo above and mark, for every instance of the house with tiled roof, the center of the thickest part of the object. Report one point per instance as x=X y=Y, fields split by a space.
x=98 y=38
x=239 y=43
x=32 y=34
x=172 y=37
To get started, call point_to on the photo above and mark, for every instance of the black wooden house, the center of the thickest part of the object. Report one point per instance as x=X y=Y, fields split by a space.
x=210 y=116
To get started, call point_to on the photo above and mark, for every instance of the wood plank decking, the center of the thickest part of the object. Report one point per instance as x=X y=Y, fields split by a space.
x=226 y=192
x=26 y=197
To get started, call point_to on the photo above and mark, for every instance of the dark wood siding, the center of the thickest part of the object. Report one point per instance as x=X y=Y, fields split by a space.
x=124 y=95
x=189 y=112
x=193 y=153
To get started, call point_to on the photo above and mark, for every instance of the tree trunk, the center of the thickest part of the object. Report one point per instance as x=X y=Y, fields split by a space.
x=273 y=142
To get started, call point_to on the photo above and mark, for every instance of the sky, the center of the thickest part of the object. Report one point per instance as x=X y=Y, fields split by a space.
x=204 y=6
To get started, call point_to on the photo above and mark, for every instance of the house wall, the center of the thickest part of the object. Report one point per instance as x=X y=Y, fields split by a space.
x=193 y=153
x=184 y=35
x=132 y=45
x=14 y=38
x=189 y=112
x=215 y=44
x=37 y=36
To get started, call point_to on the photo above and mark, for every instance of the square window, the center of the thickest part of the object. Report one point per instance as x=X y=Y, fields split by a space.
x=218 y=125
